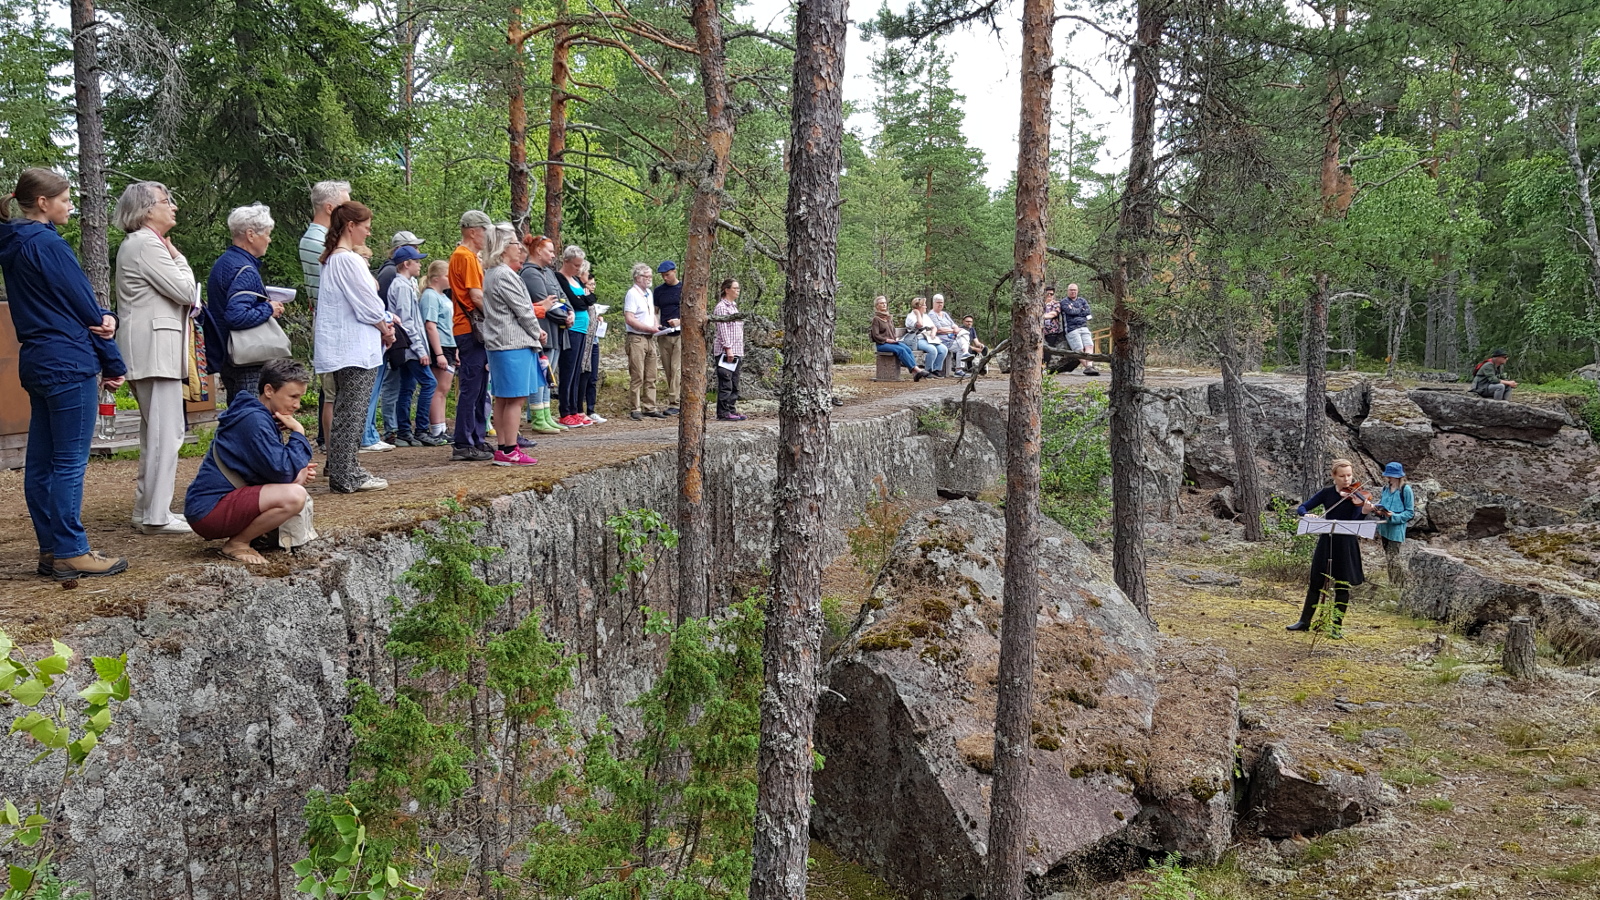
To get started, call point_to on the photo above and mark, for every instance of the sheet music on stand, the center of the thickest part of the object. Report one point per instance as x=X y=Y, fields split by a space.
x=1353 y=527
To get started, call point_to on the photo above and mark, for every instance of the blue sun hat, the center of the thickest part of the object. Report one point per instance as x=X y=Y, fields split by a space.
x=1394 y=470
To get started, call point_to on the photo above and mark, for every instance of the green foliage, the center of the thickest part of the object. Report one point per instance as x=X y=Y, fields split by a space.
x=1076 y=458
x=353 y=875
x=1171 y=882
x=877 y=527
x=35 y=120
x=1284 y=555
x=638 y=532
x=25 y=837
x=1588 y=410
x=671 y=813
x=443 y=630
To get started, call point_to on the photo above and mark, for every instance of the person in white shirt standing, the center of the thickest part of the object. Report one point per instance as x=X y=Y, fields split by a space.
x=325 y=195
x=639 y=313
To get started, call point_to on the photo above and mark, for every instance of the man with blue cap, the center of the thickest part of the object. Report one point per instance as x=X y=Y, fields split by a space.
x=669 y=344
x=1396 y=507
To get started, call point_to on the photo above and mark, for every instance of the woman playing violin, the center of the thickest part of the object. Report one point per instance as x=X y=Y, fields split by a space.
x=1338 y=556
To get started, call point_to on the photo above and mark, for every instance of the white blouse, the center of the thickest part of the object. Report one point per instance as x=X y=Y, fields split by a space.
x=348 y=313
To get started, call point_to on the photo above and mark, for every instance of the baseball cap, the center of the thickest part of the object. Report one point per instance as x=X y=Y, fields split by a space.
x=405 y=237
x=666 y=267
x=406 y=252
x=475 y=218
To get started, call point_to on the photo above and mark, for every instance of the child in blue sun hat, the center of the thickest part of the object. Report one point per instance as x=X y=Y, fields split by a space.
x=1397 y=507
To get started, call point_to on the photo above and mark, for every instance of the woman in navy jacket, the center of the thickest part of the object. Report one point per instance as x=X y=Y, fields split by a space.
x=253 y=478
x=236 y=298
x=66 y=352
x=1336 y=563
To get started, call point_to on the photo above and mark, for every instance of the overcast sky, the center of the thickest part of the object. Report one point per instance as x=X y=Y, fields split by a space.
x=984 y=67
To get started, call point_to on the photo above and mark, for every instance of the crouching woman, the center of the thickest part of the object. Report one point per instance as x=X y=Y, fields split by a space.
x=253 y=478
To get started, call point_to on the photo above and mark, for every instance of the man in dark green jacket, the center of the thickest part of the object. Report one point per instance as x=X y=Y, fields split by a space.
x=1489 y=379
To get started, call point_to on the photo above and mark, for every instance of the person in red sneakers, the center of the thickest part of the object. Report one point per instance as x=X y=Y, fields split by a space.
x=729 y=352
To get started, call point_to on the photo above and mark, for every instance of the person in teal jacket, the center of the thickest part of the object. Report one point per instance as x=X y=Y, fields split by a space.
x=1399 y=508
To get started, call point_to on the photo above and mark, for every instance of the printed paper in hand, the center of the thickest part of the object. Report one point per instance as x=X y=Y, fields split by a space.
x=600 y=330
x=723 y=363
x=281 y=294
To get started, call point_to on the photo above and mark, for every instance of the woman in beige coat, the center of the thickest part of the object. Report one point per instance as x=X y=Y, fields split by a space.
x=155 y=293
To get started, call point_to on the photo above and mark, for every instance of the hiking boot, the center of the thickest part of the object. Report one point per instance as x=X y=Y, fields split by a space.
x=1092 y=373
x=470 y=454
x=432 y=440
x=89 y=565
x=671 y=411
x=47 y=564
x=656 y=414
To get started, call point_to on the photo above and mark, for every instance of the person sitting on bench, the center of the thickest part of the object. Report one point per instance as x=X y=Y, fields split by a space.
x=1488 y=379
x=884 y=338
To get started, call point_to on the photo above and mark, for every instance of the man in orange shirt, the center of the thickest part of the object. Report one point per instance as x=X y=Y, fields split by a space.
x=466 y=293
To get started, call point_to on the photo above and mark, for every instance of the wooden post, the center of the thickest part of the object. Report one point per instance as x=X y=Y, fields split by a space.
x=1518 y=658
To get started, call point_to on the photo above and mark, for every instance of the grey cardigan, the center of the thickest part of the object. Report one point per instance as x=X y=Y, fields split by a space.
x=508 y=319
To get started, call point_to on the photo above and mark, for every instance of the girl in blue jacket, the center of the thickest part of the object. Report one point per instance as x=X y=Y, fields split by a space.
x=66 y=356
x=1399 y=508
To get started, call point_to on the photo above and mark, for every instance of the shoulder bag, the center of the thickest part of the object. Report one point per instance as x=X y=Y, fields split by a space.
x=254 y=346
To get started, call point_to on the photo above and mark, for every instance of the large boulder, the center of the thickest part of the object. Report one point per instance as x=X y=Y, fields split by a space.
x=1277 y=412
x=1395 y=429
x=1133 y=735
x=1287 y=798
x=1557 y=476
x=1466 y=413
x=1485 y=582
x=1349 y=398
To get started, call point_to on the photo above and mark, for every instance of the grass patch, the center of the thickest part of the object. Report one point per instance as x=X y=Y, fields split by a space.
x=1410 y=777
x=1447 y=670
x=1437 y=804
x=1586 y=872
x=1523 y=736
x=1329 y=846
x=202 y=443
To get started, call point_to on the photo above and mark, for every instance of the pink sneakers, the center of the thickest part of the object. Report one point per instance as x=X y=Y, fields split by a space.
x=514 y=458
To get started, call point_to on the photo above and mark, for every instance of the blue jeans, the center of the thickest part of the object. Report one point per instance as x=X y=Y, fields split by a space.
x=370 y=435
x=414 y=378
x=933 y=355
x=58 y=455
x=901 y=353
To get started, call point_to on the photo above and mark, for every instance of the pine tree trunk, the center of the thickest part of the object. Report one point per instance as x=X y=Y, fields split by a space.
x=1136 y=228
x=1469 y=324
x=95 y=204
x=694 y=524
x=517 y=172
x=1247 y=497
x=1430 y=331
x=1013 y=720
x=792 y=644
x=556 y=152
x=1591 y=234
x=1449 y=335
x=1315 y=436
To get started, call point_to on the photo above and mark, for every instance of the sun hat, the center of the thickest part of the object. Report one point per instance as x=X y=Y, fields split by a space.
x=475 y=218
x=1498 y=351
x=403 y=238
x=406 y=252
x=1394 y=470
x=666 y=267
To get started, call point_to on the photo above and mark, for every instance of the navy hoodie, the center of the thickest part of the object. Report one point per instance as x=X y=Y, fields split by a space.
x=249 y=442
x=53 y=307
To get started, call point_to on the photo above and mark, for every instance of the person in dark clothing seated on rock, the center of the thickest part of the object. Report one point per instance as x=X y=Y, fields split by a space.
x=1489 y=378
x=253 y=478
x=884 y=338
x=1336 y=564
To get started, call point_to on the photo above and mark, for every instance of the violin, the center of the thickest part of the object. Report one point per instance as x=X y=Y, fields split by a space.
x=1364 y=498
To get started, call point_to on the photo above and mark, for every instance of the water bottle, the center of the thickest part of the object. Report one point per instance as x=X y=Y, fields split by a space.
x=106 y=428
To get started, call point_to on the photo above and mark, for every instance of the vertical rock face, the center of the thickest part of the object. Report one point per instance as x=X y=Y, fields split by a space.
x=1132 y=752
x=1395 y=429
x=239 y=682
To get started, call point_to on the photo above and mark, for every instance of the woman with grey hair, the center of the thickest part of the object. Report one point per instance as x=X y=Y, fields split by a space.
x=155 y=293
x=236 y=297
x=511 y=335
x=577 y=366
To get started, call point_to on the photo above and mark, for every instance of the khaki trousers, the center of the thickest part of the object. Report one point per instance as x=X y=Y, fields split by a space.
x=642 y=371
x=669 y=348
x=161 y=428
